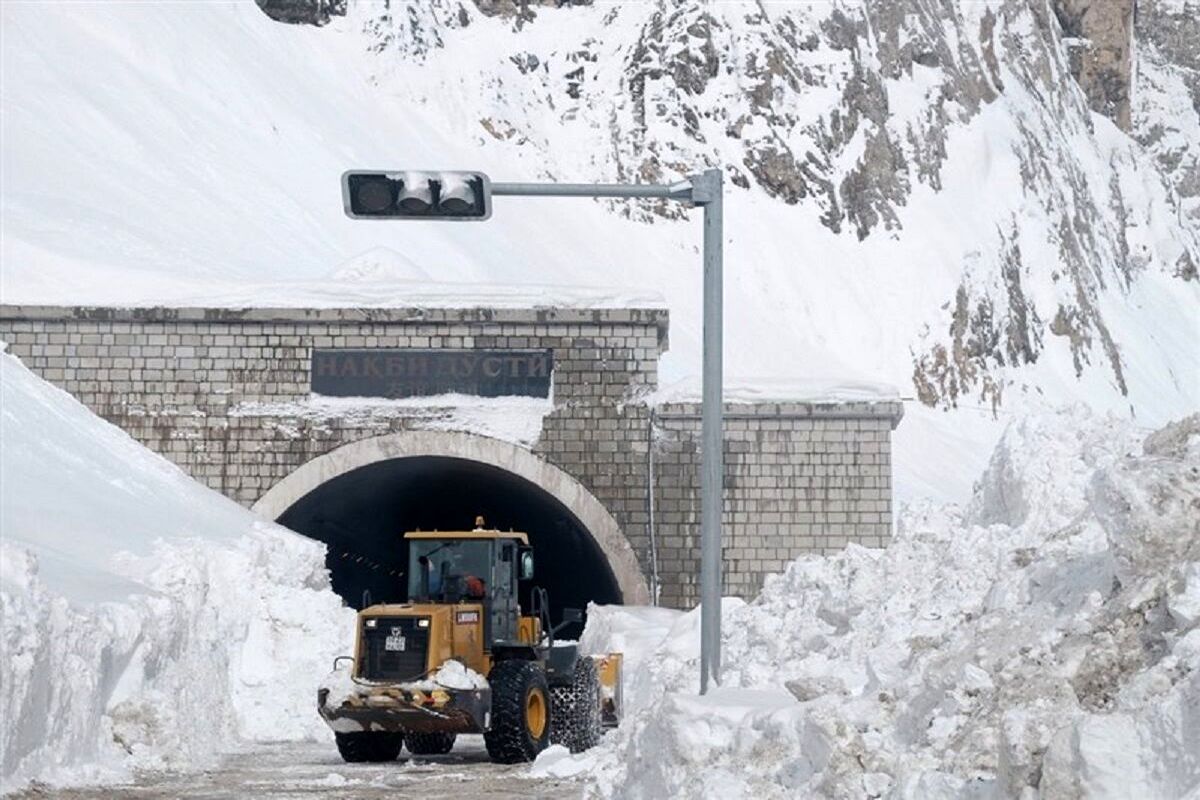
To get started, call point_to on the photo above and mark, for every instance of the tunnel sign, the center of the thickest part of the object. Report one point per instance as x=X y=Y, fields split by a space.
x=420 y=373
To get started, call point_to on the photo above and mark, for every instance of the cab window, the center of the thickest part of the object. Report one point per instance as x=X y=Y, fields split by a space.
x=448 y=570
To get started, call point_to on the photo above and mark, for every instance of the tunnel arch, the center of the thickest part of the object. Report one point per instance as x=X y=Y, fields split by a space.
x=454 y=446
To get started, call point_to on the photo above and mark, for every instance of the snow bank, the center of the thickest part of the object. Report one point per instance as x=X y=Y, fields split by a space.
x=147 y=621
x=456 y=675
x=1043 y=643
x=811 y=389
x=517 y=420
x=69 y=477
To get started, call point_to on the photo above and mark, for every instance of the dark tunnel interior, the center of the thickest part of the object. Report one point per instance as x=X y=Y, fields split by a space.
x=362 y=517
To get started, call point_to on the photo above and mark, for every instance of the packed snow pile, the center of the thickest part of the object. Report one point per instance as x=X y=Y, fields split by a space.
x=810 y=389
x=456 y=675
x=1043 y=643
x=147 y=621
x=517 y=420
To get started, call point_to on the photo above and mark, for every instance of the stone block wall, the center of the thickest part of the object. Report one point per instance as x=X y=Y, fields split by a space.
x=799 y=477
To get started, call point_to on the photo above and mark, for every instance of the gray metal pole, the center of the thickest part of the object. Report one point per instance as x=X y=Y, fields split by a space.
x=707 y=191
x=704 y=190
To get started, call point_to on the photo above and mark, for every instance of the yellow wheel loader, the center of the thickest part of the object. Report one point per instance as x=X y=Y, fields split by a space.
x=461 y=657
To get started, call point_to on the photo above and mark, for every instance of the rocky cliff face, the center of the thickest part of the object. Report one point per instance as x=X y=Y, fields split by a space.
x=303 y=12
x=1098 y=35
x=1166 y=108
x=859 y=116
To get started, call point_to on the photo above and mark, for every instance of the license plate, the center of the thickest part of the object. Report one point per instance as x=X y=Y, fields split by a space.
x=395 y=642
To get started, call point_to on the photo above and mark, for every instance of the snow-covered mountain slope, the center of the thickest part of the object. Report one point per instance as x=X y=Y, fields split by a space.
x=918 y=194
x=1166 y=110
x=146 y=620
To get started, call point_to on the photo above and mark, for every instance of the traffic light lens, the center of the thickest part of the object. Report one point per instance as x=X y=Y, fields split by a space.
x=414 y=205
x=458 y=193
x=416 y=195
x=457 y=205
x=374 y=196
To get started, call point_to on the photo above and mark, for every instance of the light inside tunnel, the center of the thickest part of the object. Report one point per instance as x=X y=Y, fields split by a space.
x=363 y=514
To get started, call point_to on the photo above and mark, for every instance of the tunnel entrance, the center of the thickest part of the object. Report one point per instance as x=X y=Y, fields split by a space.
x=362 y=516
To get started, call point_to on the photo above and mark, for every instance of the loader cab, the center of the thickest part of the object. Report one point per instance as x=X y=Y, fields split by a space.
x=478 y=566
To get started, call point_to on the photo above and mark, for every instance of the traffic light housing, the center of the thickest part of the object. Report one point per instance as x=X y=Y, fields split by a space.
x=370 y=194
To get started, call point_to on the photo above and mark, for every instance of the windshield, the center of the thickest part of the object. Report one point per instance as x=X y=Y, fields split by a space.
x=449 y=570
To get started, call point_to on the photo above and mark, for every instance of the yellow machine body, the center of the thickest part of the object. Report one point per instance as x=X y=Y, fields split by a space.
x=416 y=639
x=455 y=632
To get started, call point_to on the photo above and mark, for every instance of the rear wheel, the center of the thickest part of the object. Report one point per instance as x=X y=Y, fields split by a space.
x=369 y=746
x=429 y=744
x=520 y=712
x=575 y=708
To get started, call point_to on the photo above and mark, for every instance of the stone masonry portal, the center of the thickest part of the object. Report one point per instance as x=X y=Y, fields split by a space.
x=228 y=395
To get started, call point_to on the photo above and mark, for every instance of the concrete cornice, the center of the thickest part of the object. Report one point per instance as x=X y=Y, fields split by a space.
x=892 y=410
x=539 y=316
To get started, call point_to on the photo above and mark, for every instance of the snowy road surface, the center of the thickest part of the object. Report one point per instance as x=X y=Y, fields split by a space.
x=308 y=770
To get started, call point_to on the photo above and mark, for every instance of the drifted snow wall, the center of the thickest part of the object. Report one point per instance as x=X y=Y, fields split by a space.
x=227 y=644
x=168 y=624
x=1044 y=643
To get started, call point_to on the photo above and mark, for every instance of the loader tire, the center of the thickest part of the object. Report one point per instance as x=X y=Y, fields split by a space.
x=520 y=712
x=429 y=744
x=369 y=746
x=575 y=709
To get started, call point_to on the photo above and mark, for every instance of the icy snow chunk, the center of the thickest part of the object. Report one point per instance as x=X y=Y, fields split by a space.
x=807 y=688
x=455 y=675
x=556 y=761
x=333 y=779
x=1153 y=751
x=340 y=685
x=1180 y=439
x=1150 y=508
x=1185 y=606
x=1039 y=470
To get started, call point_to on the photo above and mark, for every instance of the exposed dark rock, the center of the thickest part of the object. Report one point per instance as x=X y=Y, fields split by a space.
x=1168 y=74
x=1186 y=267
x=303 y=12
x=777 y=171
x=522 y=11
x=1100 y=50
x=526 y=62
x=985 y=332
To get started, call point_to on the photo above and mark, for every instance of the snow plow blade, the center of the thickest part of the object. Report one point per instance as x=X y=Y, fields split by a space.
x=395 y=709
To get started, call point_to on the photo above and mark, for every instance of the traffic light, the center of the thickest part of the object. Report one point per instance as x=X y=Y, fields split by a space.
x=417 y=195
